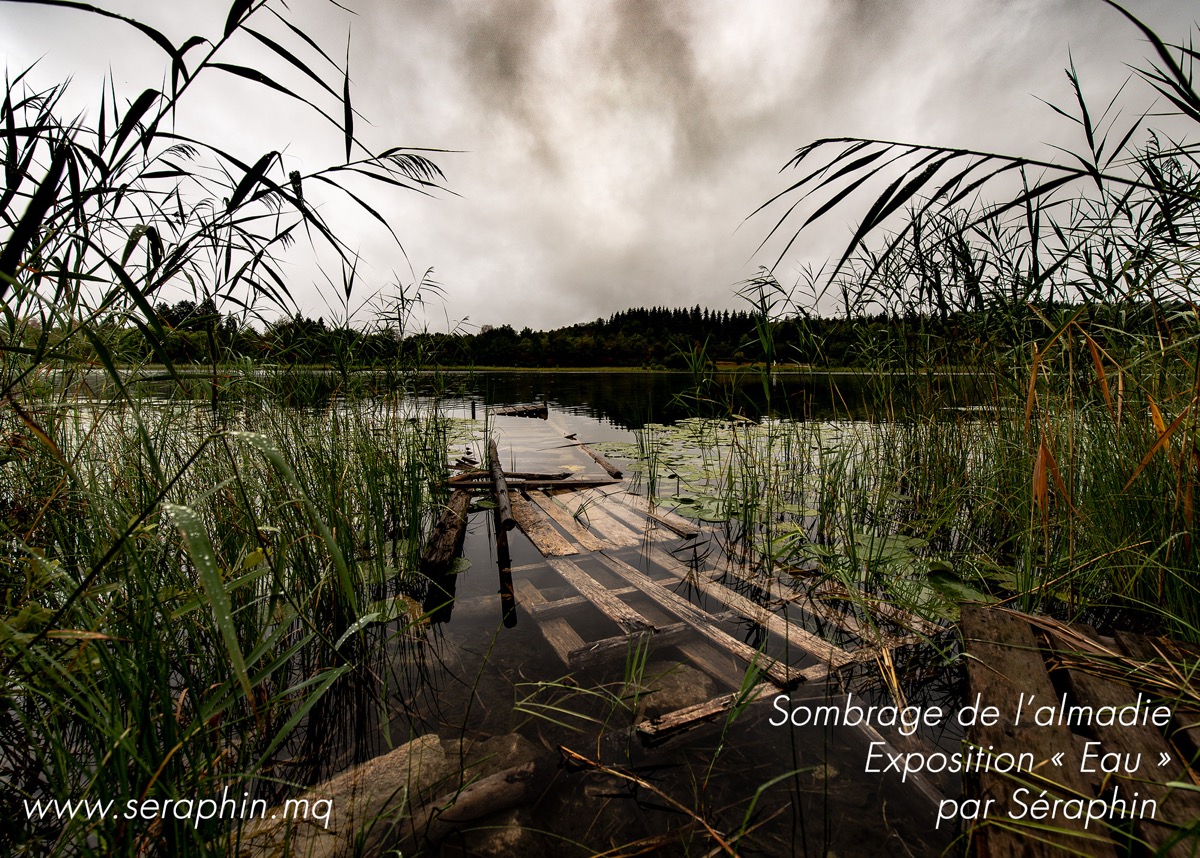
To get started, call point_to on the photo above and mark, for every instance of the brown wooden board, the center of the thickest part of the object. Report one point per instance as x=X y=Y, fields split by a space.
x=1185 y=724
x=538 y=528
x=558 y=632
x=1175 y=807
x=671 y=521
x=612 y=607
x=567 y=522
x=620 y=646
x=1003 y=662
x=584 y=506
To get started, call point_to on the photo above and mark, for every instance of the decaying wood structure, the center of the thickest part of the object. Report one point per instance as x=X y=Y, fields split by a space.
x=636 y=565
x=1012 y=658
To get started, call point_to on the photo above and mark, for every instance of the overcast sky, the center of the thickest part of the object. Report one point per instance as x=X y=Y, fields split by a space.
x=611 y=151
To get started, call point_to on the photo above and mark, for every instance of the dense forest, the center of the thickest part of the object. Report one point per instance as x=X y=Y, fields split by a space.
x=650 y=338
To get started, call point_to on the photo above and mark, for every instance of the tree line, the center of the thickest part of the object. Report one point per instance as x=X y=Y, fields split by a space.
x=646 y=337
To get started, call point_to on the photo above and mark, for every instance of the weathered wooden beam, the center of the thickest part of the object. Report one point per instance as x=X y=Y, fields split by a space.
x=1177 y=809
x=517 y=482
x=1004 y=662
x=589 y=506
x=624 y=616
x=445 y=540
x=477 y=474
x=504 y=516
x=563 y=639
x=676 y=523
x=611 y=469
x=567 y=522
x=538 y=528
x=778 y=626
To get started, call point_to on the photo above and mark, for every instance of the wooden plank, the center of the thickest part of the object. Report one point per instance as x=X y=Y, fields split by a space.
x=778 y=626
x=635 y=520
x=555 y=607
x=612 y=607
x=541 y=411
x=537 y=527
x=778 y=672
x=655 y=731
x=478 y=475
x=1185 y=723
x=1004 y=662
x=583 y=505
x=558 y=632
x=1176 y=808
x=564 y=520
x=559 y=606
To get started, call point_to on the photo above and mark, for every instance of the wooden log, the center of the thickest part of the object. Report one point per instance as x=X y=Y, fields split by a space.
x=444 y=542
x=1004 y=662
x=504 y=516
x=534 y=484
x=779 y=673
x=475 y=474
x=508 y=596
x=539 y=530
x=609 y=468
x=433 y=822
x=624 y=616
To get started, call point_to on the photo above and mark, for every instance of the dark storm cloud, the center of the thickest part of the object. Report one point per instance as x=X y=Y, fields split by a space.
x=501 y=43
x=651 y=49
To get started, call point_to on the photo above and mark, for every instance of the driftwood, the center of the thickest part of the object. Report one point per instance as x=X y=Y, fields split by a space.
x=612 y=470
x=445 y=540
x=473 y=473
x=515 y=482
x=504 y=515
x=487 y=796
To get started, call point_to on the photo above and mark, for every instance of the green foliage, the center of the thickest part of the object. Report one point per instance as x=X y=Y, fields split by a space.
x=177 y=598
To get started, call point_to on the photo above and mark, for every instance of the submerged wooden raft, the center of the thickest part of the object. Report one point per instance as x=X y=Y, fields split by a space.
x=1010 y=655
x=580 y=533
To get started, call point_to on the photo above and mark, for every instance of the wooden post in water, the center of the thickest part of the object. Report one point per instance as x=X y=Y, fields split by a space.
x=508 y=599
x=504 y=516
x=504 y=523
